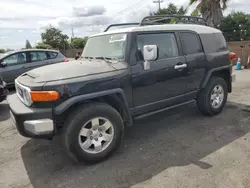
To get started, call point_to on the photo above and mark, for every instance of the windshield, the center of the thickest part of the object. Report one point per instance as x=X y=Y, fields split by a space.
x=106 y=46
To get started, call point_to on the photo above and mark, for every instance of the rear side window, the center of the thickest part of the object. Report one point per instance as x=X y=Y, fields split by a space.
x=166 y=43
x=52 y=55
x=191 y=43
x=38 y=56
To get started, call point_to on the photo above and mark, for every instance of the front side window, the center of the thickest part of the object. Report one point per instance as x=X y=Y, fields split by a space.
x=107 y=46
x=15 y=59
x=191 y=43
x=166 y=43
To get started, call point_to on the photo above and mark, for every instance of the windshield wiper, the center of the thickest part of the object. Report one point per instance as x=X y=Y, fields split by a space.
x=87 y=57
x=106 y=59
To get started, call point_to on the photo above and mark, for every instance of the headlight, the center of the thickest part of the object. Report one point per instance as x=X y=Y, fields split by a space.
x=27 y=98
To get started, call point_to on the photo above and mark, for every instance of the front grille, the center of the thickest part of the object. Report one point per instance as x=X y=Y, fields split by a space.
x=19 y=90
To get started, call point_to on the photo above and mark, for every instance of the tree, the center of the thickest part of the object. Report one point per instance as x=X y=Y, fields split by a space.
x=211 y=10
x=41 y=45
x=79 y=42
x=2 y=51
x=55 y=38
x=236 y=26
x=171 y=10
x=28 y=45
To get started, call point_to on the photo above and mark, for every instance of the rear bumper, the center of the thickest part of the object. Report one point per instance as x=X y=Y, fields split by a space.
x=31 y=122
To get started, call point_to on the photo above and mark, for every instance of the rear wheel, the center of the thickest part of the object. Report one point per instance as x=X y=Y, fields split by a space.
x=93 y=132
x=212 y=99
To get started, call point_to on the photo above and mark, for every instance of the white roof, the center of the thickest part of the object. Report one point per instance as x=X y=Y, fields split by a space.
x=200 y=29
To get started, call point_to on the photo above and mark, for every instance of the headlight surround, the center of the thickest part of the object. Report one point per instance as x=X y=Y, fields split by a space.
x=23 y=93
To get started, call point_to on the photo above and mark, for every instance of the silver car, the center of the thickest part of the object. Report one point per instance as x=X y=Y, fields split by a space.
x=15 y=63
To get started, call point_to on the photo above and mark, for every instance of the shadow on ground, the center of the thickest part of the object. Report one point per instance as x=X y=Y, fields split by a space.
x=175 y=138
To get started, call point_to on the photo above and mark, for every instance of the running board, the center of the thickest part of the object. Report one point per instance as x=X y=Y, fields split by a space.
x=161 y=110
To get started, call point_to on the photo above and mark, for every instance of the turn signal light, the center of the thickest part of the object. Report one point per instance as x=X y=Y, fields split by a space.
x=44 y=96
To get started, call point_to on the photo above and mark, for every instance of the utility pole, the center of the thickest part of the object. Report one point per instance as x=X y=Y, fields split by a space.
x=72 y=30
x=159 y=3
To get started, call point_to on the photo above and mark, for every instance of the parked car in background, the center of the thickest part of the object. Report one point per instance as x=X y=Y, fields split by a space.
x=15 y=63
x=3 y=90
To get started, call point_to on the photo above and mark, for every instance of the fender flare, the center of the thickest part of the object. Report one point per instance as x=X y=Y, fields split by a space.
x=80 y=98
x=211 y=71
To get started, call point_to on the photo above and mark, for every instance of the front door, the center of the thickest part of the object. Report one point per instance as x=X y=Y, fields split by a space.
x=16 y=64
x=164 y=84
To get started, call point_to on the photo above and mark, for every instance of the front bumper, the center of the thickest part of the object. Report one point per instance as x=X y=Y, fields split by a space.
x=233 y=78
x=31 y=122
x=3 y=91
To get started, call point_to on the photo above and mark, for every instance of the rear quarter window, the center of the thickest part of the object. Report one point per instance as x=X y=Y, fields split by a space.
x=52 y=55
x=221 y=44
x=214 y=42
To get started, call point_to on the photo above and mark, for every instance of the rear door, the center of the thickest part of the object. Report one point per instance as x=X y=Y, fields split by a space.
x=195 y=59
x=16 y=64
x=36 y=59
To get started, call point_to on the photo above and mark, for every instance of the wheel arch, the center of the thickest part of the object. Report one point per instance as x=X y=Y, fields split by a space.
x=115 y=98
x=224 y=72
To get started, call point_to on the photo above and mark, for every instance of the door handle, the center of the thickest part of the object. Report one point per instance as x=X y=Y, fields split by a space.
x=180 y=66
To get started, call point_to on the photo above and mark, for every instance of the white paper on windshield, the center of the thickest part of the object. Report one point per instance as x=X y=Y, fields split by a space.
x=117 y=38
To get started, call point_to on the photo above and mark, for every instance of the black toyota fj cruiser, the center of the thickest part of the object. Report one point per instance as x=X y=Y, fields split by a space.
x=122 y=75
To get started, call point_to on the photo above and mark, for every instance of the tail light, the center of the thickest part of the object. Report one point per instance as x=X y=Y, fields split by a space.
x=232 y=56
x=65 y=60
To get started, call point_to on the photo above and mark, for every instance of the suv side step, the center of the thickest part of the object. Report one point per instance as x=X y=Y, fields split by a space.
x=163 y=109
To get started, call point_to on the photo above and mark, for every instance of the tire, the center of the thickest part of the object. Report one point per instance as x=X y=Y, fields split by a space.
x=204 y=101
x=75 y=124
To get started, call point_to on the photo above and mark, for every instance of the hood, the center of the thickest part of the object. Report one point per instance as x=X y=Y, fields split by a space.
x=71 y=69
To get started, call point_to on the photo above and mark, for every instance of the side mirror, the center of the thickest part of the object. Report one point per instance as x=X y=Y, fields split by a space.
x=3 y=64
x=150 y=53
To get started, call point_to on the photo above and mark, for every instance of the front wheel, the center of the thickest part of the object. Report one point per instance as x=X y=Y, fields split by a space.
x=212 y=99
x=93 y=132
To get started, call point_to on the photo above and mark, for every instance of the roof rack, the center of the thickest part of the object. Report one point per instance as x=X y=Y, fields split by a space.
x=121 y=25
x=172 y=19
x=162 y=19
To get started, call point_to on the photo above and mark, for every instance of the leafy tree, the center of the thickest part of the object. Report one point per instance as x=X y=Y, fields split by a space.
x=41 y=45
x=79 y=42
x=28 y=45
x=172 y=9
x=236 y=26
x=211 y=10
x=55 y=38
x=2 y=51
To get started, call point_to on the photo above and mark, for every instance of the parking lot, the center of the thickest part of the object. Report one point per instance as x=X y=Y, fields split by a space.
x=177 y=148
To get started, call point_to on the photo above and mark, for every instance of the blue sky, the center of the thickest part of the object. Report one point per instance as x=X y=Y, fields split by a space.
x=26 y=19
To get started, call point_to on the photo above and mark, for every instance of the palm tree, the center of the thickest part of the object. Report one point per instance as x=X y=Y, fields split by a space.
x=211 y=10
